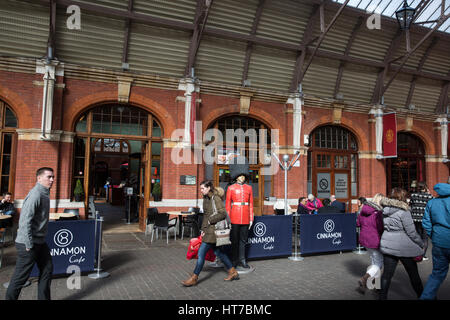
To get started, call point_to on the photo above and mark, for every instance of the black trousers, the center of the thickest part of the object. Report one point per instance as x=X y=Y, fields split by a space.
x=39 y=254
x=239 y=236
x=390 y=264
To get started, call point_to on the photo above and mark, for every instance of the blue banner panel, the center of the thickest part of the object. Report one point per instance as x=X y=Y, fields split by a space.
x=71 y=242
x=327 y=232
x=270 y=236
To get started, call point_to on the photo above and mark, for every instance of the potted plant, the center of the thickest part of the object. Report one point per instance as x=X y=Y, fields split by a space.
x=78 y=192
x=156 y=191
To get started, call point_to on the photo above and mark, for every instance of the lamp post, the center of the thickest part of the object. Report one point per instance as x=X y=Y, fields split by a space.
x=405 y=17
x=286 y=167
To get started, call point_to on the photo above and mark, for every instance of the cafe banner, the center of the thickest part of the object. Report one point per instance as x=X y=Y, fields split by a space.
x=389 y=135
x=270 y=236
x=327 y=232
x=71 y=243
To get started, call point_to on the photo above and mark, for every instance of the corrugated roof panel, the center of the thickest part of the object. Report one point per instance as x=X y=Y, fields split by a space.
x=99 y=42
x=320 y=78
x=337 y=37
x=414 y=59
x=224 y=15
x=284 y=21
x=112 y=4
x=179 y=10
x=357 y=83
x=23 y=29
x=397 y=93
x=372 y=44
x=220 y=60
x=158 y=50
x=271 y=69
x=438 y=60
x=426 y=95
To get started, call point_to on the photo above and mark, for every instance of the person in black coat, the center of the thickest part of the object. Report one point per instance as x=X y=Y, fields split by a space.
x=340 y=206
x=327 y=207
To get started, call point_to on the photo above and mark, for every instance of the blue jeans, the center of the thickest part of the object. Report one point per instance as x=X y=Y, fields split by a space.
x=204 y=247
x=441 y=260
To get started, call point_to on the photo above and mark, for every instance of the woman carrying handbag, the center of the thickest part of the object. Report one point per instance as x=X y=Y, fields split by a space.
x=208 y=229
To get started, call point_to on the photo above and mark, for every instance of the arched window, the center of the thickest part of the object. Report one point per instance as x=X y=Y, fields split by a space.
x=7 y=147
x=409 y=164
x=332 y=163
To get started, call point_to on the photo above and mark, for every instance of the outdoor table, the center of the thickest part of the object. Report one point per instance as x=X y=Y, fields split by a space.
x=5 y=222
x=180 y=215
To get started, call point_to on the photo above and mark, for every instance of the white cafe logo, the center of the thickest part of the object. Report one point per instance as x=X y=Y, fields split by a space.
x=328 y=225
x=259 y=229
x=63 y=238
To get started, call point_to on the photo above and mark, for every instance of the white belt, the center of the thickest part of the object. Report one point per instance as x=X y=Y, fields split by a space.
x=240 y=203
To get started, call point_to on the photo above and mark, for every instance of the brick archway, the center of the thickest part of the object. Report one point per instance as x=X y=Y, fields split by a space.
x=77 y=108
x=18 y=106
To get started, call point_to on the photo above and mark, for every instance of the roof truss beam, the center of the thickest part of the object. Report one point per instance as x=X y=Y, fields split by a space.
x=126 y=36
x=419 y=68
x=306 y=40
x=321 y=37
x=355 y=30
x=201 y=17
x=248 y=51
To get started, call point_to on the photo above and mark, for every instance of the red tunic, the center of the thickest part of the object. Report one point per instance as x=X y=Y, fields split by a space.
x=239 y=203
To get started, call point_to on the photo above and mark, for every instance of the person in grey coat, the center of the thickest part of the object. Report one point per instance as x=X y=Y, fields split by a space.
x=399 y=242
x=30 y=241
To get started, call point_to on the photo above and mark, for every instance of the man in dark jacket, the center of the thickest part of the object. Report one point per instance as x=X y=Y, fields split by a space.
x=30 y=242
x=418 y=203
x=436 y=222
x=327 y=208
x=340 y=206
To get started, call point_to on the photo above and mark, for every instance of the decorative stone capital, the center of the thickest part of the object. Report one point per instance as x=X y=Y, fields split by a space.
x=337 y=112
x=246 y=96
x=124 y=88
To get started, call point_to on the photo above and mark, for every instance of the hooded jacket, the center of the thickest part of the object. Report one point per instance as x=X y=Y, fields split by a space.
x=370 y=220
x=436 y=220
x=400 y=237
x=209 y=218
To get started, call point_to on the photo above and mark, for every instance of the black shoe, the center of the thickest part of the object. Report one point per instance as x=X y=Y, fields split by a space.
x=244 y=264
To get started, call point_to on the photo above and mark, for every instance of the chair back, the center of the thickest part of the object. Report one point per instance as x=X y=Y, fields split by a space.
x=151 y=215
x=162 y=220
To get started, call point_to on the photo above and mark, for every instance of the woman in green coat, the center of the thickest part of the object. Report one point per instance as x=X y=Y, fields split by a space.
x=208 y=232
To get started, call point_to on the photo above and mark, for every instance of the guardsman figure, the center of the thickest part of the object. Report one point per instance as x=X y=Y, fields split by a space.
x=239 y=205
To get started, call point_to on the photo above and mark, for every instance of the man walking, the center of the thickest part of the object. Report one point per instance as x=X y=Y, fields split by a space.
x=30 y=242
x=436 y=222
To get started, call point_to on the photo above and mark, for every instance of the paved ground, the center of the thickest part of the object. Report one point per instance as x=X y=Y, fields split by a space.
x=140 y=270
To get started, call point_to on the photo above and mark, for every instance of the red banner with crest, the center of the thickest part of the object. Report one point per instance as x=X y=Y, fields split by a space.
x=389 y=135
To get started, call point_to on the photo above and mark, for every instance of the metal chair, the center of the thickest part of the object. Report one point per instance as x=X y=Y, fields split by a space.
x=151 y=217
x=191 y=222
x=162 y=222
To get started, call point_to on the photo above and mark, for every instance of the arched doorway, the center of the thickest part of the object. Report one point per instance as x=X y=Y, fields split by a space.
x=117 y=147
x=409 y=164
x=8 y=125
x=332 y=164
x=242 y=136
